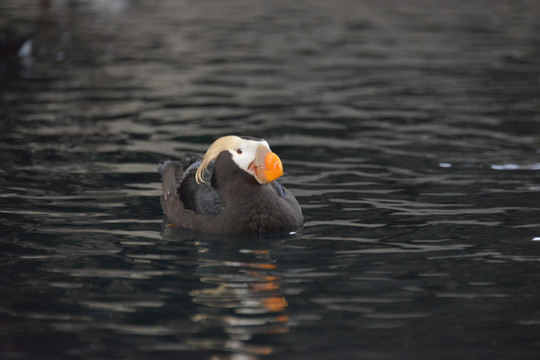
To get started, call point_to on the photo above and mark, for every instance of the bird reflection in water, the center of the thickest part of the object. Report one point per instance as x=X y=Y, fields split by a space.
x=241 y=301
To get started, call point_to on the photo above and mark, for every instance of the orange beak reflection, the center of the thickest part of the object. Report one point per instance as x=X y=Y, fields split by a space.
x=267 y=165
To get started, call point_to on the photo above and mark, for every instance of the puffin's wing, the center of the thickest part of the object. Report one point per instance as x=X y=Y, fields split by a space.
x=178 y=177
x=174 y=172
x=171 y=175
x=184 y=201
x=177 y=213
x=202 y=198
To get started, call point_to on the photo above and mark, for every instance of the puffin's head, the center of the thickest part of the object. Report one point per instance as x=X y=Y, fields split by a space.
x=253 y=155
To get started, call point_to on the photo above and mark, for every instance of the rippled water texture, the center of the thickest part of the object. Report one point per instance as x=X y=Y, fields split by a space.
x=409 y=132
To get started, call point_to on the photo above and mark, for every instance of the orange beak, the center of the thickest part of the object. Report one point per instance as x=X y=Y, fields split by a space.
x=267 y=165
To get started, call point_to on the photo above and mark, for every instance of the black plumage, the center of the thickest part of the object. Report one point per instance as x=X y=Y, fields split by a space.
x=233 y=202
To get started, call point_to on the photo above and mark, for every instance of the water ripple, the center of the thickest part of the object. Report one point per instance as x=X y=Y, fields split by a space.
x=408 y=132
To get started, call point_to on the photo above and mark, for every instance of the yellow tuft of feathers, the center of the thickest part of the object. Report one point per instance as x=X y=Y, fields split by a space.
x=230 y=142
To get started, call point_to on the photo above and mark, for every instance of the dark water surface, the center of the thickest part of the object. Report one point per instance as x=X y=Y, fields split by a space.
x=409 y=132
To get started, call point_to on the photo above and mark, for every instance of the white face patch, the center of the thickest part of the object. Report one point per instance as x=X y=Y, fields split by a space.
x=245 y=153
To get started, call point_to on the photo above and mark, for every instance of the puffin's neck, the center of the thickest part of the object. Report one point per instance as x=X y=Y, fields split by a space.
x=228 y=176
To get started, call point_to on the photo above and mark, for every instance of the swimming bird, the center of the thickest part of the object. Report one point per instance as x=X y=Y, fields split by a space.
x=231 y=190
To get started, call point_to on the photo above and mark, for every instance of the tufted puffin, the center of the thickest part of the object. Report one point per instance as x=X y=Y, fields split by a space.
x=231 y=190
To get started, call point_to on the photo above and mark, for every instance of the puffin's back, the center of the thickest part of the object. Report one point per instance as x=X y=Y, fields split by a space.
x=174 y=172
x=178 y=177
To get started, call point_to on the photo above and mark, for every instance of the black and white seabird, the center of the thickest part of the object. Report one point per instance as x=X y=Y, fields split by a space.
x=231 y=190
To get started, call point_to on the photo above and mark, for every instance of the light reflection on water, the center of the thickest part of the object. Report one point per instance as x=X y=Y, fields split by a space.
x=408 y=132
x=248 y=299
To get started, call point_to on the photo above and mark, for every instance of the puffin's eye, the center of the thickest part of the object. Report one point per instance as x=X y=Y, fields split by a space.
x=239 y=151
